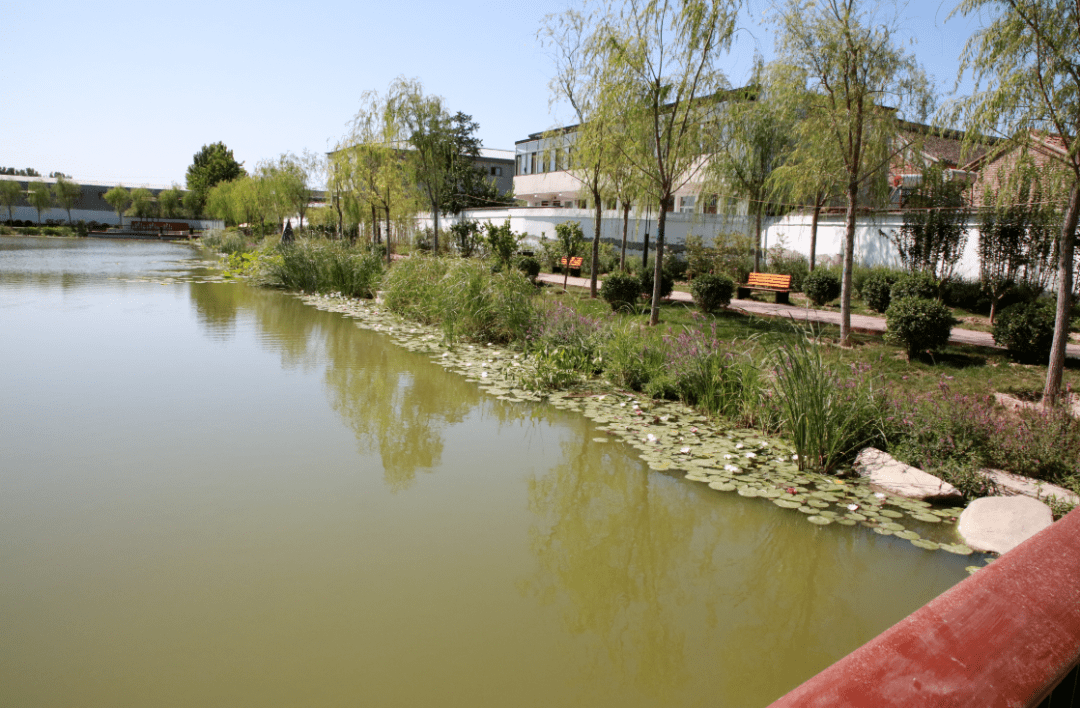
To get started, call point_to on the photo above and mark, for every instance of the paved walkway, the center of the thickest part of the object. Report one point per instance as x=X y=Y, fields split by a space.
x=859 y=323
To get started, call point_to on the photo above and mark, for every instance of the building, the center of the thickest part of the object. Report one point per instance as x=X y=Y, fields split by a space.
x=90 y=206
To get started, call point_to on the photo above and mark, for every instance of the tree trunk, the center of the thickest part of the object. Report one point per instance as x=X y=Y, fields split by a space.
x=387 y=235
x=849 y=261
x=1056 y=367
x=625 y=226
x=661 y=221
x=597 y=220
x=375 y=238
x=813 y=236
x=757 y=230
x=435 y=240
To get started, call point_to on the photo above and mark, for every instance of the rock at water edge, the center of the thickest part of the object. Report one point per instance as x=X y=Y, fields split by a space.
x=999 y=524
x=885 y=471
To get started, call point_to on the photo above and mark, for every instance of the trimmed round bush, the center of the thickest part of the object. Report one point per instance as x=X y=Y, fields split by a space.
x=876 y=291
x=918 y=324
x=621 y=291
x=920 y=285
x=645 y=283
x=821 y=286
x=1026 y=329
x=530 y=266
x=712 y=292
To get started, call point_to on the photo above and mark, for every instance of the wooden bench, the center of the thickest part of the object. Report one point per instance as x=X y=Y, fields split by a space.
x=575 y=265
x=769 y=282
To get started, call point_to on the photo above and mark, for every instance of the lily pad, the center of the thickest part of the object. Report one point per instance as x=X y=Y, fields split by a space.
x=957 y=548
x=819 y=520
x=924 y=543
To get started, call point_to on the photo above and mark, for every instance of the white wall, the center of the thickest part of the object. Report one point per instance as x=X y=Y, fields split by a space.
x=793 y=230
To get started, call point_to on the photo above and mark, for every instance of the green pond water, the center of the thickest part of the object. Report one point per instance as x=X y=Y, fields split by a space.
x=214 y=495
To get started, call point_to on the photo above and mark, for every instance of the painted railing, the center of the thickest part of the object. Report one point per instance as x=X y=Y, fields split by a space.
x=1009 y=635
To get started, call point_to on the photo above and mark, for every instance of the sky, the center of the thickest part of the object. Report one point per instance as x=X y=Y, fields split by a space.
x=127 y=92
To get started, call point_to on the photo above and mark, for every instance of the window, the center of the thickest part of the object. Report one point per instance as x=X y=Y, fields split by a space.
x=686 y=205
x=497 y=171
x=543 y=203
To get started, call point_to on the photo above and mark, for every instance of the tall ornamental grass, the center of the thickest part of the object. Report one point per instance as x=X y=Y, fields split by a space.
x=827 y=417
x=463 y=297
x=320 y=266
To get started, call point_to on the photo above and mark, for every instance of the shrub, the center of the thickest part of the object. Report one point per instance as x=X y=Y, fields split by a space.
x=621 y=291
x=920 y=285
x=1026 y=329
x=634 y=356
x=608 y=260
x=821 y=286
x=967 y=294
x=530 y=266
x=646 y=277
x=876 y=290
x=919 y=324
x=712 y=292
x=790 y=263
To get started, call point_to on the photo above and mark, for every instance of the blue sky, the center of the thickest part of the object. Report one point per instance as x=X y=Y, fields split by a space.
x=126 y=91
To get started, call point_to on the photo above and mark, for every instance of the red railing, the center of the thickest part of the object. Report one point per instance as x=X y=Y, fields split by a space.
x=1006 y=636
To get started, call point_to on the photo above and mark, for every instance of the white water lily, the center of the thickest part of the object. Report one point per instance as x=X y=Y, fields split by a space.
x=751 y=455
x=470 y=346
x=445 y=354
x=622 y=405
x=738 y=446
x=731 y=468
x=852 y=507
x=684 y=450
x=729 y=457
x=879 y=495
x=651 y=437
x=483 y=375
x=795 y=457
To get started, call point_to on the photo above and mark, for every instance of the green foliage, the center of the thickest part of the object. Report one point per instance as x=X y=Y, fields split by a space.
x=118 y=199
x=876 y=290
x=828 y=418
x=40 y=197
x=621 y=291
x=570 y=239
x=463 y=297
x=920 y=285
x=608 y=259
x=213 y=164
x=633 y=356
x=787 y=263
x=934 y=232
x=465 y=235
x=229 y=242
x=502 y=243
x=712 y=293
x=647 y=276
x=1026 y=329
x=315 y=265
x=169 y=201
x=821 y=286
x=529 y=266
x=66 y=195
x=142 y=203
x=10 y=195
x=918 y=324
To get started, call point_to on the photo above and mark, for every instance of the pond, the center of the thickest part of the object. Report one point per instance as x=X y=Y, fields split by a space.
x=219 y=495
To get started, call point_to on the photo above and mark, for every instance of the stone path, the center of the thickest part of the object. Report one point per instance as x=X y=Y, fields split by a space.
x=859 y=323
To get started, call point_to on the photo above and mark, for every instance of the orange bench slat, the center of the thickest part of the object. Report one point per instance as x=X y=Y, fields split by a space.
x=769 y=280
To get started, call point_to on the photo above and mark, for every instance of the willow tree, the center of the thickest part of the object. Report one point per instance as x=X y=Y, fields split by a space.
x=1028 y=60
x=118 y=198
x=40 y=197
x=10 y=194
x=66 y=194
x=662 y=57
x=853 y=83
x=575 y=39
x=757 y=135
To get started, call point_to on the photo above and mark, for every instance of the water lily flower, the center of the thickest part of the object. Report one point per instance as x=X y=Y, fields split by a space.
x=852 y=507
x=879 y=495
x=445 y=354
x=790 y=490
x=731 y=468
x=483 y=375
x=684 y=450
x=795 y=458
x=738 y=446
x=751 y=455
x=693 y=430
x=651 y=437
x=729 y=457
x=622 y=405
